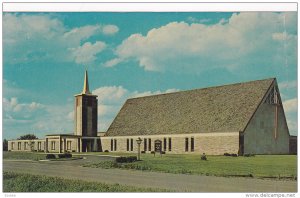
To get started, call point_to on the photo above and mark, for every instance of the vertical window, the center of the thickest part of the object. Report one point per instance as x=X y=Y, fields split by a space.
x=165 y=144
x=127 y=144
x=111 y=144
x=149 y=144
x=53 y=145
x=25 y=145
x=115 y=144
x=12 y=145
x=186 y=144
x=170 y=144
x=131 y=144
x=69 y=145
x=19 y=145
x=192 y=144
x=145 y=144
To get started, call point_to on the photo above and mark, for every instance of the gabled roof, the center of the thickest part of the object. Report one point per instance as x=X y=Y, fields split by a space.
x=225 y=108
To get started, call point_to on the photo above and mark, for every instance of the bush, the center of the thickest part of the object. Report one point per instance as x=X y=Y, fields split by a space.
x=232 y=154
x=128 y=159
x=50 y=156
x=152 y=152
x=68 y=155
x=106 y=151
x=203 y=157
x=163 y=152
x=249 y=155
x=143 y=152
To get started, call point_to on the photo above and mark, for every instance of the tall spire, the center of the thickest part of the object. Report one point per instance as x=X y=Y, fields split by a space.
x=86 y=84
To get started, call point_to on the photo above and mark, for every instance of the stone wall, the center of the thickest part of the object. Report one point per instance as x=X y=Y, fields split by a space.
x=259 y=136
x=209 y=143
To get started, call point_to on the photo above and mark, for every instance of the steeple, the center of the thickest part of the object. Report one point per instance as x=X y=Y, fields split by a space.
x=86 y=84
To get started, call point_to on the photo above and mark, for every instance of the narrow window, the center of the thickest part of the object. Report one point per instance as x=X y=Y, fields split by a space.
x=53 y=145
x=170 y=144
x=165 y=144
x=39 y=145
x=192 y=144
x=19 y=145
x=115 y=144
x=131 y=144
x=111 y=144
x=186 y=144
x=69 y=145
x=127 y=144
x=12 y=145
x=25 y=145
x=149 y=144
x=145 y=144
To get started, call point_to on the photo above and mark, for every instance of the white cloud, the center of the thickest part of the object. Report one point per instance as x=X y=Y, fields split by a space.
x=110 y=29
x=43 y=37
x=111 y=99
x=240 y=41
x=290 y=105
x=12 y=105
x=87 y=52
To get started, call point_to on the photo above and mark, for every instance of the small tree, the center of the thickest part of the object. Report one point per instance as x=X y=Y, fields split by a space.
x=27 y=137
x=5 y=145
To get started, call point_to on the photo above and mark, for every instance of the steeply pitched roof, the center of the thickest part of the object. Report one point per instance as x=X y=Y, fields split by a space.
x=225 y=108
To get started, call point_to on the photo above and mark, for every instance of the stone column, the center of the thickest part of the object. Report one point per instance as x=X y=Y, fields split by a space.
x=95 y=145
x=65 y=148
x=46 y=145
x=59 y=144
x=80 y=150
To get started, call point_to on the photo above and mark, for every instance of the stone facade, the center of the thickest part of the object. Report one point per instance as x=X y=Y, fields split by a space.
x=27 y=145
x=209 y=143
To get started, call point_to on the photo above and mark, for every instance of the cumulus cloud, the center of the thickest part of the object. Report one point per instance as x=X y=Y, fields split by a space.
x=13 y=105
x=290 y=105
x=111 y=99
x=241 y=41
x=110 y=29
x=87 y=52
x=43 y=37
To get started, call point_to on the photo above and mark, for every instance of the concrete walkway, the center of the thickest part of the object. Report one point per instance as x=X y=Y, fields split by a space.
x=177 y=182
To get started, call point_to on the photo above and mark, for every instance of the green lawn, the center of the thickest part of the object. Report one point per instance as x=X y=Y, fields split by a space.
x=24 y=155
x=16 y=182
x=257 y=166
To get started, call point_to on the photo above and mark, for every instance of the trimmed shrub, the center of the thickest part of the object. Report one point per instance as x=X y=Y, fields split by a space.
x=68 y=155
x=227 y=154
x=143 y=152
x=163 y=152
x=234 y=155
x=106 y=151
x=249 y=155
x=128 y=159
x=152 y=152
x=50 y=156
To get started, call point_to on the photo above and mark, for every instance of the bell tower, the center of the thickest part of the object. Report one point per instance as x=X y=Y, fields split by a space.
x=85 y=111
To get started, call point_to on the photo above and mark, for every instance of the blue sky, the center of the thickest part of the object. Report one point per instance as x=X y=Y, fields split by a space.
x=136 y=54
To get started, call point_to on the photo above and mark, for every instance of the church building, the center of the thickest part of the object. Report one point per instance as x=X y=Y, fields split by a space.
x=241 y=118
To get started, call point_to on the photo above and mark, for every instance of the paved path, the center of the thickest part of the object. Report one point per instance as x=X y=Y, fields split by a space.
x=177 y=182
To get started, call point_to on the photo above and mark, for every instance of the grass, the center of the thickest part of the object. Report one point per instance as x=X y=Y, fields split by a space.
x=17 y=182
x=24 y=155
x=273 y=166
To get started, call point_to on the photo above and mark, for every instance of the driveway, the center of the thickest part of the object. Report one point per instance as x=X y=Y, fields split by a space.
x=176 y=182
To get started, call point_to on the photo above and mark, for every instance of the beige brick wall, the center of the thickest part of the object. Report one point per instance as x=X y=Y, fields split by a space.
x=209 y=143
x=259 y=135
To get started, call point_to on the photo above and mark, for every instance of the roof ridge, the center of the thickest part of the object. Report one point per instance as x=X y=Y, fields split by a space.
x=217 y=86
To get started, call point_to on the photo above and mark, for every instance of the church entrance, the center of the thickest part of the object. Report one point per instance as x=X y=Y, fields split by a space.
x=157 y=146
x=89 y=145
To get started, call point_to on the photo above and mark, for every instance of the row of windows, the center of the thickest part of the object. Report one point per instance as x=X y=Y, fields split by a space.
x=26 y=145
x=187 y=144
